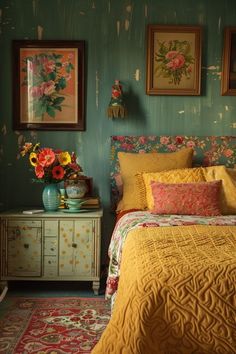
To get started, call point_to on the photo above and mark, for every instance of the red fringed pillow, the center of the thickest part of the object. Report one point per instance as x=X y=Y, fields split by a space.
x=201 y=198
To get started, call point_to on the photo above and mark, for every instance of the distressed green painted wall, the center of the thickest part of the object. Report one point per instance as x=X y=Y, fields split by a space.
x=114 y=32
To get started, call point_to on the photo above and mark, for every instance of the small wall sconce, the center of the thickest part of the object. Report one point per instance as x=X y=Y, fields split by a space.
x=116 y=108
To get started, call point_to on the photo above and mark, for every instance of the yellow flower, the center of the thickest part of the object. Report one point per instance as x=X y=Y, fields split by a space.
x=64 y=158
x=33 y=159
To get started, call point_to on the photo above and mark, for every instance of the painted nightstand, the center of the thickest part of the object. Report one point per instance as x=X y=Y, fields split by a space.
x=51 y=246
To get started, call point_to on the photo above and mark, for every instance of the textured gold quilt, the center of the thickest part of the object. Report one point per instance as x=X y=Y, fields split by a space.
x=176 y=293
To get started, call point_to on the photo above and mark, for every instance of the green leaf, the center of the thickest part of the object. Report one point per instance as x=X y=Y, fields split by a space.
x=51 y=111
x=57 y=56
x=58 y=100
x=52 y=76
x=61 y=83
x=58 y=108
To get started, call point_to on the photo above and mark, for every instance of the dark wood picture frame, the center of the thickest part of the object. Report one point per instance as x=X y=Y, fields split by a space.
x=228 y=78
x=48 y=85
x=173 y=60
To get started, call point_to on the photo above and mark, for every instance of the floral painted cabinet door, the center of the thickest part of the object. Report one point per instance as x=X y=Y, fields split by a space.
x=76 y=255
x=24 y=250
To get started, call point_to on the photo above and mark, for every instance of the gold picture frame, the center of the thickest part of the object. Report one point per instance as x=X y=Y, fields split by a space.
x=173 y=60
x=228 y=78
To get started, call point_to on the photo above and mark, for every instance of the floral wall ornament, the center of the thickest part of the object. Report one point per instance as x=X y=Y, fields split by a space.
x=116 y=106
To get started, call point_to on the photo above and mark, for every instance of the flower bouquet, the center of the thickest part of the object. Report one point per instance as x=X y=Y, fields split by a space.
x=174 y=60
x=51 y=166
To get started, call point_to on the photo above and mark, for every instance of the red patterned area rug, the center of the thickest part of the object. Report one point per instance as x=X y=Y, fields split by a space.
x=53 y=325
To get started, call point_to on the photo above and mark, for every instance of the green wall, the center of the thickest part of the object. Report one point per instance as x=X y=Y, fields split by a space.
x=114 y=32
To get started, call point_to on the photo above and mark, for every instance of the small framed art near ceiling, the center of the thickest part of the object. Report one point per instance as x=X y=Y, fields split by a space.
x=48 y=85
x=228 y=79
x=173 y=60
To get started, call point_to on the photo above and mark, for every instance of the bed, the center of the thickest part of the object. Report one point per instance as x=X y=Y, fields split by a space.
x=172 y=271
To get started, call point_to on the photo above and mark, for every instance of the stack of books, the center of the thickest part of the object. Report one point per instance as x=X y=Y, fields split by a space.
x=91 y=202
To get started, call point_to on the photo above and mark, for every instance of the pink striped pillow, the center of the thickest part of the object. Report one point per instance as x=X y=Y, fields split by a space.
x=201 y=198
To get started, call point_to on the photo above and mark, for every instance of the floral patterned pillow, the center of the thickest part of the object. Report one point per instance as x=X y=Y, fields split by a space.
x=201 y=198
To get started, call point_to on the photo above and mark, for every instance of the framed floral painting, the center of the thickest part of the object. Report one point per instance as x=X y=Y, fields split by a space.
x=228 y=80
x=48 y=85
x=173 y=60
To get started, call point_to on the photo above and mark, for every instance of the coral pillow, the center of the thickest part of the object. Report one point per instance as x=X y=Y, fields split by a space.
x=183 y=175
x=201 y=198
x=133 y=163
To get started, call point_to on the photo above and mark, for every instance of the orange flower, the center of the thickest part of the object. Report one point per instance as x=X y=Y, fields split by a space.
x=46 y=157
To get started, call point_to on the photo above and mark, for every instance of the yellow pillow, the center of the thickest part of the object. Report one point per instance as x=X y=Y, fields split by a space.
x=228 y=191
x=133 y=163
x=184 y=175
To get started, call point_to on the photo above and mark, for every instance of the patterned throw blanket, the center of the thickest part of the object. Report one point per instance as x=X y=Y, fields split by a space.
x=177 y=286
x=145 y=219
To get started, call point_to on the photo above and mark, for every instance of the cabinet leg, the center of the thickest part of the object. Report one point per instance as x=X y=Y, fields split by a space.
x=96 y=287
x=3 y=289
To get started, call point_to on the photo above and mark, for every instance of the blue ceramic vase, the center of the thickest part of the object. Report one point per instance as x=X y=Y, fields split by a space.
x=51 y=197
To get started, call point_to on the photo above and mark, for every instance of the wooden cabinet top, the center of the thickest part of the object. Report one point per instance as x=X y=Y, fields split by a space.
x=52 y=214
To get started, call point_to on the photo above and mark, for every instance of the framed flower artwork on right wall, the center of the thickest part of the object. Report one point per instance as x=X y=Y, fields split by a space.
x=228 y=79
x=173 y=60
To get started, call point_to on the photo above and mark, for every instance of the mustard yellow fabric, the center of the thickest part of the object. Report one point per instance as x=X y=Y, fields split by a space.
x=176 y=292
x=185 y=175
x=228 y=191
x=133 y=163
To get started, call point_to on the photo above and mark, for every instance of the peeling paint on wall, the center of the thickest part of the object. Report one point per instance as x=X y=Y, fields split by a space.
x=0 y=21
x=40 y=32
x=213 y=70
x=181 y=112
x=97 y=89
x=129 y=8
x=126 y=25
x=219 y=25
x=34 y=7
x=118 y=28
x=4 y=129
x=145 y=10
x=137 y=75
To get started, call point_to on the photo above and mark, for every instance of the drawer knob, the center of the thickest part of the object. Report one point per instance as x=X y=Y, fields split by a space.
x=26 y=245
x=52 y=249
x=74 y=245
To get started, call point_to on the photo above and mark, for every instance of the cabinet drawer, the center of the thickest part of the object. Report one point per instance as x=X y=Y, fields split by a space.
x=24 y=224
x=51 y=228
x=50 y=266
x=50 y=246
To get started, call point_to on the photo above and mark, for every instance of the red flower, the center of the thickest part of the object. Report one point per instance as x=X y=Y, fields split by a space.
x=39 y=171
x=58 y=172
x=46 y=157
x=179 y=139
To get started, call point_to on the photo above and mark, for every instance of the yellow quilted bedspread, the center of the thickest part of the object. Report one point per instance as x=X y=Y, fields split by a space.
x=176 y=293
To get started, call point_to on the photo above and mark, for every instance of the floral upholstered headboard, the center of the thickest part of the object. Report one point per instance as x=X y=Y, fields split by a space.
x=208 y=151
